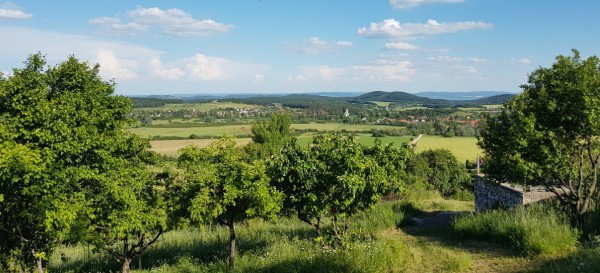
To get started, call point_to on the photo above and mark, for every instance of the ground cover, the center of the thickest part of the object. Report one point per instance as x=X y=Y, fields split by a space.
x=202 y=107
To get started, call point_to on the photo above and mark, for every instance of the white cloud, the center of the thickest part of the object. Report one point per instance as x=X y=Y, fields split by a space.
x=401 y=46
x=392 y=29
x=446 y=59
x=406 y=4
x=477 y=60
x=201 y=67
x=166 y=73
x=386 y=70
x=10 y=13
x=525 y=61
x=114 y=68
x=170 y=21
x=314 y=45
x=318 y=73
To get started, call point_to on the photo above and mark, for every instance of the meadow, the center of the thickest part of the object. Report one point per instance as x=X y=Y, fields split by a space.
x=462 y=147
x=202 y=107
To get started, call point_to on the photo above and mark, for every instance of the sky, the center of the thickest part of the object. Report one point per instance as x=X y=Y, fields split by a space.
x=293 y=46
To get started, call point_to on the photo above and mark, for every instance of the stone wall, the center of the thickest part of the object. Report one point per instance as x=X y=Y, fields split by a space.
x=490 y=195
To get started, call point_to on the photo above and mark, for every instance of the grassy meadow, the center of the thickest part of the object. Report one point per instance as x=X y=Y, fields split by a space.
x=462 y=147
x=202 y=107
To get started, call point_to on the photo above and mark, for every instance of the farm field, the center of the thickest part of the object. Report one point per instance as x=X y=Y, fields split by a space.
x=170 y=147
x=202 y=107
x=245 y=129
x=462 y=147
x=215 y=131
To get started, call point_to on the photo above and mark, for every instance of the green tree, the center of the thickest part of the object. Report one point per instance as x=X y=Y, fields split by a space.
x=57 y=125
x=128 y=212
x=549 y=134
x=222 y=188
x=440 y=170
x=268 y=137
x=328 y=182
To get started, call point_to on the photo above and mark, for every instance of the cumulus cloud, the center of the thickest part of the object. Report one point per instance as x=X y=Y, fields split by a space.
x=406 y=4
x=166 y=73
x=114 y=68
x=174 y=22
x=387 y=70
x=393 y=29
x=400 y=46
x=201 y=67
x=10 y=11
x=445 y=58
x=314 y=45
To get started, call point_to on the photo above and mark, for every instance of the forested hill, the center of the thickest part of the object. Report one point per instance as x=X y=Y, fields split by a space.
x=312 y=100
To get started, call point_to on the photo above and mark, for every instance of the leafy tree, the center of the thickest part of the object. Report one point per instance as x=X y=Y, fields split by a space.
x=128 y=212
x=222 y=188
x=57 y=126
x=328 y=182
x=549 y=134
x=440 y=170
x=269 y=137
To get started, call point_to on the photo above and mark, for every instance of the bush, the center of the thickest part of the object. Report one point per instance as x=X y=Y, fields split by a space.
x=534 y=229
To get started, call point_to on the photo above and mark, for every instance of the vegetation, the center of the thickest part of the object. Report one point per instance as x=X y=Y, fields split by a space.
x=549 y=134
x=535 y=229
x=333 y=179
x=221 y=188
x=439 y=170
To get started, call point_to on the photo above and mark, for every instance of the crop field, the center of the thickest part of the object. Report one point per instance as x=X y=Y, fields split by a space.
x=245 y=129
x=215 y=131
x=462 y=147
x=202 y=107
x=170 y=147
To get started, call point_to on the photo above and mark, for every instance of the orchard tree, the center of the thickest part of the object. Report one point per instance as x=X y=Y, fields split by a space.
x=550 y=134
x=222 y=188
x=58 y=129
x=268 y=137
x=128 y=209
x=330 y=181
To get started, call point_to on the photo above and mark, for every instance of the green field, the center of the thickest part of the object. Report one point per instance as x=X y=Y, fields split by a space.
x=381 y=103
x=170 y=147
x=215 y=131
x=462 y=147
x=343 y=126
x=245 y=129
x=202 y=107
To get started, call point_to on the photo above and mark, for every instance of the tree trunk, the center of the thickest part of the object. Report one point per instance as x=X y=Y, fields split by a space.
x=39 y=265
x=126 y=263
x=231 y=245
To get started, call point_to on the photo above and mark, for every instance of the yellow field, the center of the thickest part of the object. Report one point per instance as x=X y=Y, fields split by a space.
x=462 y=147
x=170 y=147
x=202 y=107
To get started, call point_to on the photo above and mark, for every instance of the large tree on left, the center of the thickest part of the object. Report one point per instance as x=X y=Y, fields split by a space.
x=61 y=127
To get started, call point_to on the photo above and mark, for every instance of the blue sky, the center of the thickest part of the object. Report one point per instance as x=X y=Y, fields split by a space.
x=235 y=46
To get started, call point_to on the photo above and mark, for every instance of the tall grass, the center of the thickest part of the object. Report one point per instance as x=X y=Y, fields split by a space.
x=534 y=229
x=285 y=246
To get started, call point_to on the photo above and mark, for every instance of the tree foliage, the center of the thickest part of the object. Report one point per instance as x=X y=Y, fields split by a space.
x=333 y=179
x=549 y=134
x=440 y=170
x=61 y=127
x=269 y=136
x=221 y=188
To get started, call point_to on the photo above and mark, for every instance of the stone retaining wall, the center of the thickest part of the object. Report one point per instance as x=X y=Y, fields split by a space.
x=489 y=195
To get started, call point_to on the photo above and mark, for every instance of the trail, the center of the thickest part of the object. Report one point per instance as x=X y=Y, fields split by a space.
x=414 y=142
